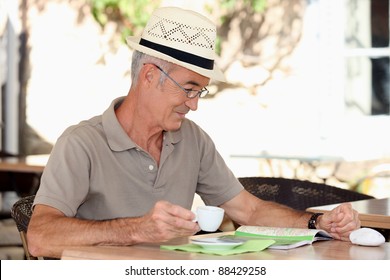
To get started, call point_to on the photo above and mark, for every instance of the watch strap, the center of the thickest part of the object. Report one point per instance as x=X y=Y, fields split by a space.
x=313 y=220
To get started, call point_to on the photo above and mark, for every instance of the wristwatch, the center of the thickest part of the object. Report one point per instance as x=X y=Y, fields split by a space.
x=313 y=220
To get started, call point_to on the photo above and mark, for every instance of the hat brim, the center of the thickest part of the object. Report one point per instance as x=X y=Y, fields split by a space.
x=215 y=73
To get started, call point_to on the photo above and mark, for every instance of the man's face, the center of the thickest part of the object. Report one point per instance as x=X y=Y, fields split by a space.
x=170 y=103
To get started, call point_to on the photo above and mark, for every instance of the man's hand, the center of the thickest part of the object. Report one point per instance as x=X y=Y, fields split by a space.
x=166 y=221
x=340 y=222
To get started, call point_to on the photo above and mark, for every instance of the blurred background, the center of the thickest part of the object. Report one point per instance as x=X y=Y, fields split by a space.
x=307 y=92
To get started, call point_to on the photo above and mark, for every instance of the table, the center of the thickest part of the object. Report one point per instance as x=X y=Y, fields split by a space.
x=320 y=250
x=28 y=164
x=21 y=174
x=374 y=213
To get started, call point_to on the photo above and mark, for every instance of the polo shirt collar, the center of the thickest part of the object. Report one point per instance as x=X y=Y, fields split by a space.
x=117 y=138
x=173 y=136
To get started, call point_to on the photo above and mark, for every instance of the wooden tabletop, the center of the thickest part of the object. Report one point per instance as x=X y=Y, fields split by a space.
x=320 y=250
x=373 y=213
x=28 y=164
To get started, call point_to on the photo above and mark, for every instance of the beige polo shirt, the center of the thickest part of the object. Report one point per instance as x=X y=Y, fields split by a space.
x=96 y=171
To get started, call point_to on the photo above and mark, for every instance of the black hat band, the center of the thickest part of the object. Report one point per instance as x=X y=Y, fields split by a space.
x=180 y=55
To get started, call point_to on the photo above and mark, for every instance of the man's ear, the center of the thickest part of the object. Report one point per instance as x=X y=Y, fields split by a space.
x=149 y=76
x=148 y=73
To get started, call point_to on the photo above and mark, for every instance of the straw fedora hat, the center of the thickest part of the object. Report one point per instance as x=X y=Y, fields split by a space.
x=182 y=37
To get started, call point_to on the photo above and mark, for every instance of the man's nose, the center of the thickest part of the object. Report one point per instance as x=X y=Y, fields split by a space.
x=192 y=103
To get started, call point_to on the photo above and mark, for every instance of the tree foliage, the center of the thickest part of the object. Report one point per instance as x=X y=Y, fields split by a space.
x=130 y=15
x=256 y=5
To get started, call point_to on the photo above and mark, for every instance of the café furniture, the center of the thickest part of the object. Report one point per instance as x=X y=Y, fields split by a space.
x=319 y=250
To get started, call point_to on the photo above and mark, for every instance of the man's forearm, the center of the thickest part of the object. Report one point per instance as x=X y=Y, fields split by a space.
x=50 y=237
x=278 y=215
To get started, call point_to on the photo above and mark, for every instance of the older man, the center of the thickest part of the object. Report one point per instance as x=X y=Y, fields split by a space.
x=129 y=175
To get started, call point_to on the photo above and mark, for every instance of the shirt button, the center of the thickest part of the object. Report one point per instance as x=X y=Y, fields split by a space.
x=151 y=167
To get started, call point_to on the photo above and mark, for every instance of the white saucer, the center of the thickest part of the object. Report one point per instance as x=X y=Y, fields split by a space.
x=216 y=243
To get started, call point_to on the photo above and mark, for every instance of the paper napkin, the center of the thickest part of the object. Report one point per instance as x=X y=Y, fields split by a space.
x=248 y=247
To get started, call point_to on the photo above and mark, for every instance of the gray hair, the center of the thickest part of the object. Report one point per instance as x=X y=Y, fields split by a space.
x=139 y=59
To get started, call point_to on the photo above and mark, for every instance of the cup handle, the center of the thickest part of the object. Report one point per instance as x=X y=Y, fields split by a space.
x=196 y=217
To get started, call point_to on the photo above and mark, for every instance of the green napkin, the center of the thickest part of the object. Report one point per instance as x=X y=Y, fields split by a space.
x=247 y=247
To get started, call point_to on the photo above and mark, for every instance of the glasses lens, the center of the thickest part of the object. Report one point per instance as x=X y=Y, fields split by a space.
x=191 y=93
x=203 y=92
x=200 y=93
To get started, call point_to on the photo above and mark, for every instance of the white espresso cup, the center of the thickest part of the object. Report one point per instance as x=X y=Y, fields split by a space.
x=209 y=218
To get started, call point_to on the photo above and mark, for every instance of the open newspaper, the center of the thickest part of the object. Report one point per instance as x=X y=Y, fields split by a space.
x=285 y=238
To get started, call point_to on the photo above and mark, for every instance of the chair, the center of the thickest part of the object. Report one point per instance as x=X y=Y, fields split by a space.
x=21 y=213
x=298 y=194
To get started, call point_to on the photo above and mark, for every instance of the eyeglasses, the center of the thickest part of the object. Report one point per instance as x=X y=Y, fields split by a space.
x=189 y=92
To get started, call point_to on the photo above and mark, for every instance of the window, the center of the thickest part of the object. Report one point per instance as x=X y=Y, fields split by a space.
x=367 y=55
